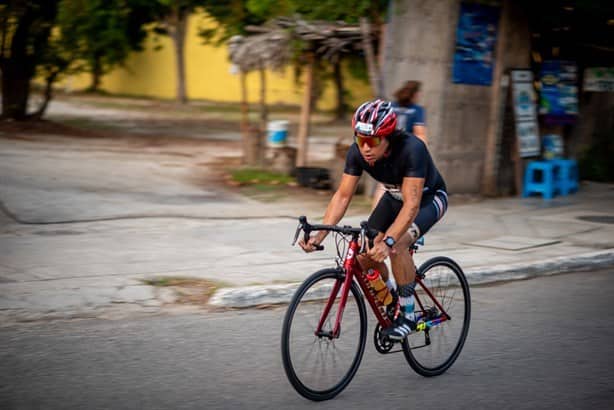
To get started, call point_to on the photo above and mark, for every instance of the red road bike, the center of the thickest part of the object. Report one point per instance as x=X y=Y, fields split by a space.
x=325 y=327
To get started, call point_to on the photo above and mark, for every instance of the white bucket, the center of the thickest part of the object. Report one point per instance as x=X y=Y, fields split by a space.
x=277 y=133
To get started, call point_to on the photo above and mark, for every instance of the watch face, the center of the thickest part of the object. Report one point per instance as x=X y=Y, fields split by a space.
x=389 y=241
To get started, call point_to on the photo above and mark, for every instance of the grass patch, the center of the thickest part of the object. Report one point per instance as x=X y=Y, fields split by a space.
x=163 y=281
x=259 y=177
x=88 y=124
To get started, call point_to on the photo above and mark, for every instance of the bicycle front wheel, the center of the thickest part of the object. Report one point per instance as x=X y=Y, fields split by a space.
x=320 y=367
x=433 y=351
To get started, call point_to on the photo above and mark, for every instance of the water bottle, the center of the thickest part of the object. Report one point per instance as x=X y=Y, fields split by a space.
x=379 y=286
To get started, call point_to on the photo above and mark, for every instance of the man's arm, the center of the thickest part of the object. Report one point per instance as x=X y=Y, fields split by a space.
x=335 y=210
x=419 y=127
x=411 y=189
x=420 y=132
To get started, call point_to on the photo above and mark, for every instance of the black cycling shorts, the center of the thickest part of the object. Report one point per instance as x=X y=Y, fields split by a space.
x=432 y=209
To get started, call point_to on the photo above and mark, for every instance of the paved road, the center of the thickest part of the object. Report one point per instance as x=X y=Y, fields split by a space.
x=540 y=344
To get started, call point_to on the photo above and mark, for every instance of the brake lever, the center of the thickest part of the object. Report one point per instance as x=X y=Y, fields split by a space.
x=306 y=239
x=298 y=230
x=307 y=230
x=363 y=240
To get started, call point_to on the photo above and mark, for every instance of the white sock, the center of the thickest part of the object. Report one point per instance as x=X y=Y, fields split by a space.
x=390 y=284
x=407 y=306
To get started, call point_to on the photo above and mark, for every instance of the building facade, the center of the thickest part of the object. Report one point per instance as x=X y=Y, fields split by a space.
x=467 y=125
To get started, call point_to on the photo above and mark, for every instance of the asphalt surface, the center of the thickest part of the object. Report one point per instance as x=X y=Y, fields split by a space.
x=545 y=343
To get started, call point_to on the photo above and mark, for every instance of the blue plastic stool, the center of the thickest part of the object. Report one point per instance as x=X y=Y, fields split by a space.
x=539 y=178
x=566 y=178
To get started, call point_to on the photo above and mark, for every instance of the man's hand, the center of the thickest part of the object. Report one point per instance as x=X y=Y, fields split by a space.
x=379 y=252
x=310 y=246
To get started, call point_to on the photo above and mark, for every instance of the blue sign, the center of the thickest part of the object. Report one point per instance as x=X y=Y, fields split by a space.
x=476 y=36
x=559 y=90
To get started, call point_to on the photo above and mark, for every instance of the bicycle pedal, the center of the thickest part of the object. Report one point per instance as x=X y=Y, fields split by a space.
x=420 y=327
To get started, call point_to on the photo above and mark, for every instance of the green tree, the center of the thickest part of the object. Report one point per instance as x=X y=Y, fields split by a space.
x=232 y=17
x=103 y=32
x=52 y=38
x=25 y=27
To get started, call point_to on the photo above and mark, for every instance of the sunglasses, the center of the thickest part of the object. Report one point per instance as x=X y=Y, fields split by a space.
x=370 y=141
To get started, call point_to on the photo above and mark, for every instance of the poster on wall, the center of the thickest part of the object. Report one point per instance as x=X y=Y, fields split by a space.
x=524 y=100
x=559 y=91
x=525 y=113
x=476 y=36
x=528 y=138
x=599 y=79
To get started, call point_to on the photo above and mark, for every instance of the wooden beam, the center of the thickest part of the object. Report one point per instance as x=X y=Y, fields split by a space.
x=247 y=155
x=303 y=129
x=489 y=177
x=372 y=66
x=263 y=116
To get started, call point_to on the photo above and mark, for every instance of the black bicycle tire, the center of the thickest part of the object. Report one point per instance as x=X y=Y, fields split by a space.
x=285 y=348
x=436 y=371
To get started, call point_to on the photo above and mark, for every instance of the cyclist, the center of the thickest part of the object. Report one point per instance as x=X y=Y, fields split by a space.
x=415 y=199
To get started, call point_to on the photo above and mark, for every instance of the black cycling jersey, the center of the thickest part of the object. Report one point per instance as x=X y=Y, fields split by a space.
x=407 y=157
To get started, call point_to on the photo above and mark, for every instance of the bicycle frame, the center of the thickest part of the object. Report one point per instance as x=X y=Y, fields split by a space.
x=352 y=270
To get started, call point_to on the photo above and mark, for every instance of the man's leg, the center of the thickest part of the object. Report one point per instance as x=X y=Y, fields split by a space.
x=380 y=219
x=404 y=271
x=367 y=263
x=402 y=262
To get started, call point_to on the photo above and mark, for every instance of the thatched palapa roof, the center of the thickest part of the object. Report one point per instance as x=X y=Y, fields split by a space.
x=270 y=47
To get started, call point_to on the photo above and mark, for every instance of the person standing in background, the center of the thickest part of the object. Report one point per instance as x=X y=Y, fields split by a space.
x=411 y=118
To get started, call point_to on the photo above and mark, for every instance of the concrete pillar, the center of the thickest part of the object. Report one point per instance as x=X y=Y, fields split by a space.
x=420 y=46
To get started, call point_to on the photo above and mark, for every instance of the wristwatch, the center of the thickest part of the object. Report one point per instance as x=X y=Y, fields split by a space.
x=389 y=240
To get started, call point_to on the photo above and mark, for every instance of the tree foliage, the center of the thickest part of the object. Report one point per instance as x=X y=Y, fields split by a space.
x=102 y=33
x=232 y=17
x=349 y=11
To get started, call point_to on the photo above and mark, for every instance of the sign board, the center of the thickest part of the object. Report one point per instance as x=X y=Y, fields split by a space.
x=525 y=115
x=559 y=89
x=599 y=79
x=476 y=36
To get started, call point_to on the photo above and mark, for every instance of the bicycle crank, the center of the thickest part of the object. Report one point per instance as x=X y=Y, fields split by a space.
x=383 y=344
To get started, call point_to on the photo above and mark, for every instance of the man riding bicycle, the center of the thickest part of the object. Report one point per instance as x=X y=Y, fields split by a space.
x=414 y=201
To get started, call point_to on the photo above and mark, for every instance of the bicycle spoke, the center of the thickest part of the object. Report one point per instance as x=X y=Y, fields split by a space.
x=318 y=364
x=446 y=338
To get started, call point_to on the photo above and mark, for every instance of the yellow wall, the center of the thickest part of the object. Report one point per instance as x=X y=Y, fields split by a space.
x=152 y=73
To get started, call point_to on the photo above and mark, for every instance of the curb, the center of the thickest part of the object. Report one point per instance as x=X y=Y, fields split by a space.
x=250 y=296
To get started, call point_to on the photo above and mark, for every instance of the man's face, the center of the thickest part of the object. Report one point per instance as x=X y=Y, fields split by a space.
x=371 y=148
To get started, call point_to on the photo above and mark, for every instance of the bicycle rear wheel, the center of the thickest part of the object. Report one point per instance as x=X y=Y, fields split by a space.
x=432 y=352
x=319 y=367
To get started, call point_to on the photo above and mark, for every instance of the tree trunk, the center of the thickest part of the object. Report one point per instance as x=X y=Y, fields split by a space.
x=178 y=34
x=15 y=88
x=47 y=96
x=248 y=155
x=96 y=74
x=340 y=111
x=18 y=65
x=17 y=70
x=303 y=129
x=374 y=73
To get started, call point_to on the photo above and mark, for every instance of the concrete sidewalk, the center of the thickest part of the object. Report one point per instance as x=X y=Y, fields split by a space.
x=83 y=225
x=492 y=240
